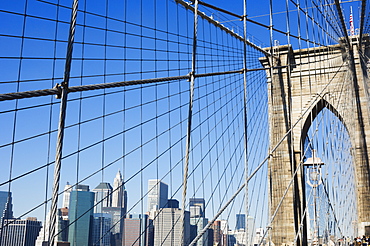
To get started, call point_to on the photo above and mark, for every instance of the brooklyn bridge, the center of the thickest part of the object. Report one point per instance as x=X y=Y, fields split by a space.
x=183 y=122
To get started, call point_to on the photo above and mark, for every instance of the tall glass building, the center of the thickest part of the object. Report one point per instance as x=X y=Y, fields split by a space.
x=240 y=221
x=117 y=215
x=81 y=208
x=101 y=231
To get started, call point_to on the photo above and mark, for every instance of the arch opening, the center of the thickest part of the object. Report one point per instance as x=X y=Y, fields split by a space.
x=328 y=176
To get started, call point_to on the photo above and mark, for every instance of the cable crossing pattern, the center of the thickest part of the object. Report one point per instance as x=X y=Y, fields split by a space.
x=175 y=122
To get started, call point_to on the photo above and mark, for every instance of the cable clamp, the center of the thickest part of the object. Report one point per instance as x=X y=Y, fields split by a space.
x=59 y=88
x=191 y=74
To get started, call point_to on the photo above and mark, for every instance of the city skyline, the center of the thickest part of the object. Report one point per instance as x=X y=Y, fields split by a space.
x=98 y=226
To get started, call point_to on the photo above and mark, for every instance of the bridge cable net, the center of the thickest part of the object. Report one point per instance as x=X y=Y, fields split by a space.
x=155 y=94
x=318 y=148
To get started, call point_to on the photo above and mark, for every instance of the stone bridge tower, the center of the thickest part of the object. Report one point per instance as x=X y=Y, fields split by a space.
x=300 y=84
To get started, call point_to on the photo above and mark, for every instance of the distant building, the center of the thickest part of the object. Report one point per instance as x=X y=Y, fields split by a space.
x=240 y=221
x=61 y=228
x=6 y=207
x=198 y=220
x=157 y=194
x=258 y=237
x=119 y=194
x=231 y=240
x=251 y=230
x=173 y=203
x=80 y=216
x=197 y=207
x=139 y=231
x=224 y=226
x=82 y=187
x=240 y=236
x=103 y=196
x=168 y=227
x=18 y=232
x=210 y=237
x=117 y=215
x=101 y=234
x=217 y=233
x=197 y=225
x=67 y=195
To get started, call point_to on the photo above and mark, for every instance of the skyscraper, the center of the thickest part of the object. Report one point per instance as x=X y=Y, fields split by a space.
x=103 y=196
x=217 y=233
x=6 y=208
x=117 y=215
x=101 y=233
x=114 y=205
x=157 y=194
x=80 y=216
x=61 y=227
x=18 y=232
x=66 y=195
x=197 y=207
x=251 y=230
x=198 y=223
x=168 y=227
x=240 y=221
x=198 y=220
x=119 y=194
x=138 y=231
x=173 y=203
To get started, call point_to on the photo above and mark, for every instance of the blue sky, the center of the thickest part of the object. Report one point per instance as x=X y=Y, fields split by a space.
x=100 y=57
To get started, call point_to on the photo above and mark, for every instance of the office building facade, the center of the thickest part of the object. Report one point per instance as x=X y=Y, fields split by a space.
x=117 y=215
x=61 y=227
x=66 y=195
x=157 y=194
x=173 y=203
x=18 y=232
x=168 y=227
x=197 y=224
x=101 y=233
x=103 y=196
x=240 y=221
x=197 y=207
x=139 y=231
x=119 y=194
x=81 y=208
x=6 y=208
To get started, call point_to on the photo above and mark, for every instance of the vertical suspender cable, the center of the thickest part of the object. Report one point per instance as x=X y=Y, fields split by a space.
x=62 y=114
x=245 y=121
x=362 y=20
x=272 y=96
x=192 y=78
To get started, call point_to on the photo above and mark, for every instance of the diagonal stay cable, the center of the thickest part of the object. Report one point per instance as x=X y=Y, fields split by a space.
x=317 y=97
